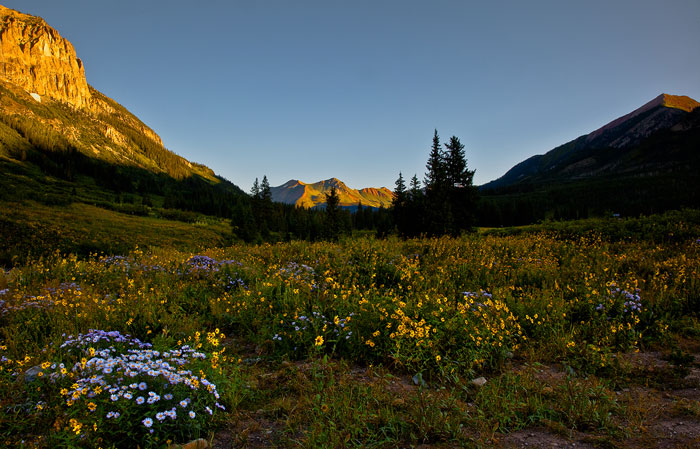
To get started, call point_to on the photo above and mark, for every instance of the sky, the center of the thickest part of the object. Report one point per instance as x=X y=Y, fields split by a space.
x=311 y=90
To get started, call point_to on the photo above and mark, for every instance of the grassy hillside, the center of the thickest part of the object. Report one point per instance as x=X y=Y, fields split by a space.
x=35 y=229
x=59 y=194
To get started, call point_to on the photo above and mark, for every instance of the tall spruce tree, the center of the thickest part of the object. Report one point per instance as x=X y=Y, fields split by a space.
x=265 y=192
x=456 y=163
x=414 y=220
x=399 y=198
x=435 y=177
x=437 y=214
x=462 y=193
x=333 y=219
x=264 y=209
x=415 y=190
x=255 y=190
x=399 y=203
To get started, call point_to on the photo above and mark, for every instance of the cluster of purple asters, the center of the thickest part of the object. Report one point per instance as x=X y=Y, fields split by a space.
x=472 y=297
x=298 y=271
x=128 y=265
x=632 y=300
x=206 y=264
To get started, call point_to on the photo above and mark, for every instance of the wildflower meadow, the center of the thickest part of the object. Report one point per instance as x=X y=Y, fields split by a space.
x=360 y=343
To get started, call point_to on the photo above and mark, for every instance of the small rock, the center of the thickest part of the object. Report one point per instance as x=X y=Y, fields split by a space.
x=509 y=355
x=200 y=443
x=32 y=374
x=252 y=360
x=479 y=381
x=418 y=380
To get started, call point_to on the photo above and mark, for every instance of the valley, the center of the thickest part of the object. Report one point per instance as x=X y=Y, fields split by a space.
x=146 y=301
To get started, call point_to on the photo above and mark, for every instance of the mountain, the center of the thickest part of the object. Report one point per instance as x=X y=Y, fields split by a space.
x=645 y=162
x=660 y=136
x=314 y=195
x=46 y=103
x=79 y=173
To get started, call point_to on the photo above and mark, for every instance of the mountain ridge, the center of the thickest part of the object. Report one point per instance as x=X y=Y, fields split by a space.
x=608 y=149
x=310 y=195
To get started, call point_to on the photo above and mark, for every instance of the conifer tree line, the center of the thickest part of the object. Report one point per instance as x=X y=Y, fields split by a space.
x=446 y=204
x=261 y=219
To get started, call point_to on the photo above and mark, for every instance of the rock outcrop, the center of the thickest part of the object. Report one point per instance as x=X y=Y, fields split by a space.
x=45 y=97
x=35 y=57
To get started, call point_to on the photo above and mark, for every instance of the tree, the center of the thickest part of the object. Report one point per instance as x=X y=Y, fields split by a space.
x=456 y=163
x=255 y=190
x=436 y=176
x=399 y=203
x=437 y=214
x=415 y=191
x=265 y=192
x=333 y=222
x=399 y=198
x=462 y=194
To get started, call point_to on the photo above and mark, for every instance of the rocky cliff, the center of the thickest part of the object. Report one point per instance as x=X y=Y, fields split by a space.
x=45 y=98
x=35 y=57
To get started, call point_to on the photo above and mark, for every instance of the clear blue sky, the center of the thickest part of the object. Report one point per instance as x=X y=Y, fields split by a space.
x=353 y=89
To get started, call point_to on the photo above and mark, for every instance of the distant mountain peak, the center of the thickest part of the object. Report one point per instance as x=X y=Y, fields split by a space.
x=680 y=102
x=292 y=183
x=334 y=182
x=314 y=194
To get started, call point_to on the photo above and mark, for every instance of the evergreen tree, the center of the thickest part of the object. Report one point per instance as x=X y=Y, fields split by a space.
x=462 y=193
x=436 y=176
x=399 y=203
x=255 y=190
x=456 y=163
x=399 y=198
x=333 y=219
x=263 y=208
x=437 y=213
x=414 y=222
x=265 y=193
x=415 y=191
